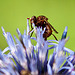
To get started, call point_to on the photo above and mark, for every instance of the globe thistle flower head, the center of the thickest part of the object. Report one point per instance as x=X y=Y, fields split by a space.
x=32 y=59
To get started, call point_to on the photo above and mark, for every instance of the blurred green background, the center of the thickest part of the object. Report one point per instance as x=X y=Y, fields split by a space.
x=14 y=14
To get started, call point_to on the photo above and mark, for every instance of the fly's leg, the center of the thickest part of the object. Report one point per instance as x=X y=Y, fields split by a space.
x=55 y=37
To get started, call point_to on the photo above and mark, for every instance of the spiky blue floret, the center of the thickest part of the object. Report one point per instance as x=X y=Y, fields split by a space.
x=64 y=33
